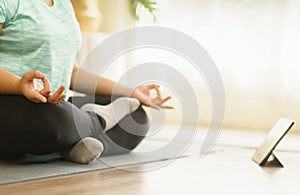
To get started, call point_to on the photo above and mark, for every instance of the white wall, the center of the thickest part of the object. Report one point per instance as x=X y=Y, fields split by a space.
x=254 y=43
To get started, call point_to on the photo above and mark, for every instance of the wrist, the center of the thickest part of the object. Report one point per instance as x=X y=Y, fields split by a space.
x=135 y=93
x=17 y=87
x=122 y=90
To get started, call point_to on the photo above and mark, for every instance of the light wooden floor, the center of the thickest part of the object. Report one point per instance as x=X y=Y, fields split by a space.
x=229 y=170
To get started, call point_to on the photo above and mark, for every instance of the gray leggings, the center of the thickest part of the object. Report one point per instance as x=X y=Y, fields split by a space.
x=28 y=127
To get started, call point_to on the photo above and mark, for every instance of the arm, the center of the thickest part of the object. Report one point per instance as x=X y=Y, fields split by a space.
x=9 y=83
x=14 y=85
x=27 y=86
x=85 y=82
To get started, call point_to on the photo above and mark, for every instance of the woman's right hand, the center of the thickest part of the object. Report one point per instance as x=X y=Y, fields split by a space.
x=35 y=92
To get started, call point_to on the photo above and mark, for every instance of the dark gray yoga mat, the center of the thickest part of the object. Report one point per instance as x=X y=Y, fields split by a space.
x=36 y=167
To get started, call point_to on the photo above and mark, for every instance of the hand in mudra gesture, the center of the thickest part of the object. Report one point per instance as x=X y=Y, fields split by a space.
x=142 y=93
x=38 y=93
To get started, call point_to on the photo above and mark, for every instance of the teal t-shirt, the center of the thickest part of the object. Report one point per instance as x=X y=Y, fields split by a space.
x=38 y=37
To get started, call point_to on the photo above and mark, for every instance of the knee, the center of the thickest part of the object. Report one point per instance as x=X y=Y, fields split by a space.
x=140 y=116
x=137 y=123
x=128 y=134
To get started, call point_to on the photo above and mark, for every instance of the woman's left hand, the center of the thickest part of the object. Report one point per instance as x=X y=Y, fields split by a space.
x=142 y=93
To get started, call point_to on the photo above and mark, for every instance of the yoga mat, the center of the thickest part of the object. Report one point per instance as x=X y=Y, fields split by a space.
x=37 y=167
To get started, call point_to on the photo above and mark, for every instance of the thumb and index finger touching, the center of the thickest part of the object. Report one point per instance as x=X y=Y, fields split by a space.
x=158 y=101
x=29 y=76
x=44 y=95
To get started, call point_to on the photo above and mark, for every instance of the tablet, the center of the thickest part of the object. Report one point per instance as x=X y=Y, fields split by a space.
x=265 y=150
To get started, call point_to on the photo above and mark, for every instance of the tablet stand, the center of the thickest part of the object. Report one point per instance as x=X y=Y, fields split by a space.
x=271 y=161
x=264 y=154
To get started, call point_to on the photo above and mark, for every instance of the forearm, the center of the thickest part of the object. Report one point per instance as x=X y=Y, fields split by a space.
x=85 y=82
x=9 y=83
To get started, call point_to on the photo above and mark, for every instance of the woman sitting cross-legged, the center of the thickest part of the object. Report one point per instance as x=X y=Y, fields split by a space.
x=39 y=42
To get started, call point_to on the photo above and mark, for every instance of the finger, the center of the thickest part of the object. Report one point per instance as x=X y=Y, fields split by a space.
x=37 y=98
x=47 y=88
x=167 y=107
x=151 y=86
x=155 y=106
x=60 y=98
x=164 y=107
x=53 y=98
x=157 y=92
x=57 y=95
x=34 y=75
x=165 y=100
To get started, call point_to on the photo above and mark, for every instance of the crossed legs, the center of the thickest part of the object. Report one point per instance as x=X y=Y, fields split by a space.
x=28 y=127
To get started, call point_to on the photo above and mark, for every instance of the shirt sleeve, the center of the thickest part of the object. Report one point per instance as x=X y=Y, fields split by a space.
x=8 y=10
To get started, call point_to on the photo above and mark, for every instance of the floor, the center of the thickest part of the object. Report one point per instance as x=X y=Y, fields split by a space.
x=228 y=169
